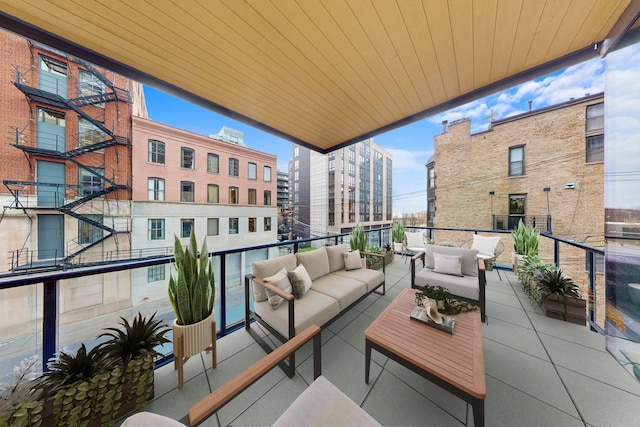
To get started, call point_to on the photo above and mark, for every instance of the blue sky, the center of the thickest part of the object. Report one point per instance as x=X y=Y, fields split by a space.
x=410 y=145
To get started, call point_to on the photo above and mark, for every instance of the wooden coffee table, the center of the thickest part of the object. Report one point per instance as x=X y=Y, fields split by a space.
x=453 y=362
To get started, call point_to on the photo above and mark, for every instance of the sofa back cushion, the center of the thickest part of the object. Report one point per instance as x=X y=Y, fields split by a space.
x=336 y=256
x=316 y=262
x=268 y=268
x=469 y=257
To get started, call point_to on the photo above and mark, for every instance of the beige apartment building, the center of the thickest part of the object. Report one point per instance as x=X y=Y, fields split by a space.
x=183 y=181
x=544 y=166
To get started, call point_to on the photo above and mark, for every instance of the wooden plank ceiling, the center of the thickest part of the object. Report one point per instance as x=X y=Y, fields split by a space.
x=323 y=73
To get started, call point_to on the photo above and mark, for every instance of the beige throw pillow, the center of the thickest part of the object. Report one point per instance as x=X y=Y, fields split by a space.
x=447 y=264
x=352 y=260
x=300 y=281
x=281 y=280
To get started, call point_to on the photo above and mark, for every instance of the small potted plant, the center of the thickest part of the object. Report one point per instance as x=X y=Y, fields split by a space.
x=562 y=300
x=192 y=296
x=397 y=234
x=525 y=242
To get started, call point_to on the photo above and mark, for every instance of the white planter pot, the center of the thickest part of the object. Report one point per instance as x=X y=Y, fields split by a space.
x=197 y=337
x=397 y=247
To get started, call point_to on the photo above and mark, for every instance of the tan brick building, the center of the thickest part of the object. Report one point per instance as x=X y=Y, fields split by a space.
x=546 y=162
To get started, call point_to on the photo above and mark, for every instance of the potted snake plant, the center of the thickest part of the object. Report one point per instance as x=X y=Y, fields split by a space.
x=192 y=295
x=397 y=233
x=525 y=242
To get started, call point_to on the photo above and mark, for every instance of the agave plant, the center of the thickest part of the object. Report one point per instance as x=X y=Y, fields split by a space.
x=192 y=292
x=66 y=368
x=556 y=283
x=358 y=239
x=136 y=339
x=525 y=239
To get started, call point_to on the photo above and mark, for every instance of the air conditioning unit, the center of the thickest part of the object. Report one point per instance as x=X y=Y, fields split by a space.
x=569 y=185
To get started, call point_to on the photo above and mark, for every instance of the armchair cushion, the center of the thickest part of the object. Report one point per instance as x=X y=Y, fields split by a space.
x=469 y=258
x=415 y=239
x=447 y=264
x=486 y=246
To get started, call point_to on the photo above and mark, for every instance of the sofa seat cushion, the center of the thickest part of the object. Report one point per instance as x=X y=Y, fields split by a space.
x=465 y=286
x=315 y=307
x=323 y=404
x=344 y=290
x=267 y=268
x=371 y=278
x=316 y=262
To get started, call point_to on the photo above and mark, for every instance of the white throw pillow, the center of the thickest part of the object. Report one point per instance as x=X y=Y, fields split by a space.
x=486 y=246
x=447 y=264
x=415 y=239
x=352 y=260
x=300 y=281
x=281 y=280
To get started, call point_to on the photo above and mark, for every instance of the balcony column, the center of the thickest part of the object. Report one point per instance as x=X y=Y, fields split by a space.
x=49 y=321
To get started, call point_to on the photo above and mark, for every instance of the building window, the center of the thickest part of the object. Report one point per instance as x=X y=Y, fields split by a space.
x=594 y=130
x=213 y=226
x=253 y=171
x=91 y=86
x=595 y=148
x=234 y=196
x=253 y=196
x=516 y=161
x=90 y=181
x=155 y=229
x=89 y=233
x=252 y=225
x=213 y=163
x=517 y=209
x=155 y=273
x=233 y=225
x=267 y=174
x=213 y=194
x=156 y=152
x=156 y=189
x=187 y=160
x=234 y=167
x=88 y=133
x=186 y=225
x=187 y=189
x=267 y=223
x=431 y=212
x=431 y=180
x=267 y=197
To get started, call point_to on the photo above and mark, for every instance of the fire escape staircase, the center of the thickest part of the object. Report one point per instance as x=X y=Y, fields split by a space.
x=75 y=104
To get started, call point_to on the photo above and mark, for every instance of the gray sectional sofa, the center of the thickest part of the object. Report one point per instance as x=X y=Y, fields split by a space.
x=333 y=290
x=459 y=270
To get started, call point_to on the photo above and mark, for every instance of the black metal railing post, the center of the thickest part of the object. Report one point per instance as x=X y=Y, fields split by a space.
x=591 y=268
x=49 y=321
x=556 y=253
x=223 y=292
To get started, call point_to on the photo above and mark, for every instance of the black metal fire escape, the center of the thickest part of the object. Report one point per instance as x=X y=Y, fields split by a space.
x=72 y=208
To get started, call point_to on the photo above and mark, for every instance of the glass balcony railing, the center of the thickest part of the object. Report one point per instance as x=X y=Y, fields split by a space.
x=47 y=311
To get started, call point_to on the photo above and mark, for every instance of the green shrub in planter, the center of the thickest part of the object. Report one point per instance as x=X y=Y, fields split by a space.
x=397 y=232
x=96 y=387
x=525 y=239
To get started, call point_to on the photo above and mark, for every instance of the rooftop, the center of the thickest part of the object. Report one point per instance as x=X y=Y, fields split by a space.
x=539 y=371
